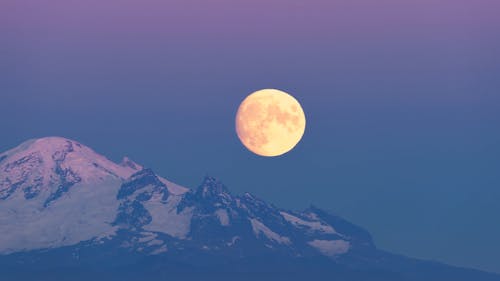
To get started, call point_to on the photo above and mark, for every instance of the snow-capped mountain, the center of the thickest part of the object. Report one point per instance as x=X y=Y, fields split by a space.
x=62 y=204
x=56 y=192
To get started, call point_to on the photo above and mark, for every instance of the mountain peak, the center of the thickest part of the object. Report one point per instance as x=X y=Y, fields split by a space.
x=139 y=180
x=46 y=145
x=53 y=140
x=211 y=186
x=145 y=172
x=62 y=192
x=59 y=198
x=49 y=149
x=54 y=162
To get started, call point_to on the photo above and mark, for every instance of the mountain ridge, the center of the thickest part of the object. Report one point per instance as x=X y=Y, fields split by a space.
x=63 y=206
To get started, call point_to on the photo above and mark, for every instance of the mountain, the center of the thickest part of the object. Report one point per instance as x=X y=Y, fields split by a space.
x=68 y=213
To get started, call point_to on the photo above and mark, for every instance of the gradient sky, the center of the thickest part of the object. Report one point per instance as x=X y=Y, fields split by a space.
x=402 y=100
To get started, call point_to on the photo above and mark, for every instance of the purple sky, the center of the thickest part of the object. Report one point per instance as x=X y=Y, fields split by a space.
x=402 y=100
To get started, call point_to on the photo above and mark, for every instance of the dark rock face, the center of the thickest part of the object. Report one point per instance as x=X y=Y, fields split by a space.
x=140 y=180
x=139 y=188
x=30 y=189
x=67 y=178
x=133 y=214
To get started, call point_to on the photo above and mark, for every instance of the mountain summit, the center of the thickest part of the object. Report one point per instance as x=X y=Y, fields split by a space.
x=56 y=192
x=48 y=167
x=65 y=208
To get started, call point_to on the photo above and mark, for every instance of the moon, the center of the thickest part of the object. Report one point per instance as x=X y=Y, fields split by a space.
x=270 y=122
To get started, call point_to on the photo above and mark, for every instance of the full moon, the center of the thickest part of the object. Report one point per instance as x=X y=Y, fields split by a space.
x=270 y=122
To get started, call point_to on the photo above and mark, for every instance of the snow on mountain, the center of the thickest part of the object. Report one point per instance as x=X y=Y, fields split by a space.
x=261 y=229
x=223 y=217
x=331 y=247
x=167 y=219
x=63 y=205
x=314 y=225
x=50 y=166
x=60 y=163
x=56 y=192
x=173 y=187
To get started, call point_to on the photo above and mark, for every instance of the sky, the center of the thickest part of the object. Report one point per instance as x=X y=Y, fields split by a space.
x=401 y=97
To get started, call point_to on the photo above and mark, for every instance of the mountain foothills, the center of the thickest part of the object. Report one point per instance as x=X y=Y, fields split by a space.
x=68 y=213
